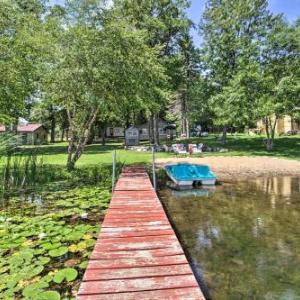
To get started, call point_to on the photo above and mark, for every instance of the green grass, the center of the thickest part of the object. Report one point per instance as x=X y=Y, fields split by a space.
x=245 y=145
x=94 y=154
x=238 y=145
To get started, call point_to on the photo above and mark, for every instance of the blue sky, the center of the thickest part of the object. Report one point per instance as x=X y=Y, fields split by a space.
x=290 y=8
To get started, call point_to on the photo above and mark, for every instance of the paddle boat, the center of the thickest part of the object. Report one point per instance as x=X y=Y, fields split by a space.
x=185 y=175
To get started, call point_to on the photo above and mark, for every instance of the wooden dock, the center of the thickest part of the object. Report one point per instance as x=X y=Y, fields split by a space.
x=137 y=254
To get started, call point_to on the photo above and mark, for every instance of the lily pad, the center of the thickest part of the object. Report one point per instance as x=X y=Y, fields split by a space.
x=68 y=274
x=49 y=295
x=84 y=264
x=74 y=236
x=43 y=260
x=37 y=270
x=51 y=246
x=58 y=252
x=33 y=289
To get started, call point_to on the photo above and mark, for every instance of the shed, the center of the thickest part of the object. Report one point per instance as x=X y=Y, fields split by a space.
x=30 y=134
x=132 y=136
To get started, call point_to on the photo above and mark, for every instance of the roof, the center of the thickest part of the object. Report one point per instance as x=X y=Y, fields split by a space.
x=24 y=128
x=29 y=127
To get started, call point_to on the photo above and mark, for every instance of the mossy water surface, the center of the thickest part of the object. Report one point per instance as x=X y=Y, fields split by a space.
x=243 y=238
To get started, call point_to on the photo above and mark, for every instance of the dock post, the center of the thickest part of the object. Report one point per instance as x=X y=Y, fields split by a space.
x=153 y=168
x=114 y=170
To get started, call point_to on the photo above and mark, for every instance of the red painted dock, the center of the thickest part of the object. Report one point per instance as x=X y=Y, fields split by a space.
x=137 y=254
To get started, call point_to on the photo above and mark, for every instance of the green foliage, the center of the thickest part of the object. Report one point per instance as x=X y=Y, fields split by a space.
x=235 y=103
x=232 y=38
x=200 y=108
x=8 y=144
x=166 y=26
x=21 y=171
x=99 y=65
x=252 y=60
x=21 y=51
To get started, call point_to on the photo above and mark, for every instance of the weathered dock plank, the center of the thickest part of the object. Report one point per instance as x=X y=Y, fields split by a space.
x=137 y=254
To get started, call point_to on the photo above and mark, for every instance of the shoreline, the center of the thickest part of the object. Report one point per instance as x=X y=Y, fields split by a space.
x=241 y=167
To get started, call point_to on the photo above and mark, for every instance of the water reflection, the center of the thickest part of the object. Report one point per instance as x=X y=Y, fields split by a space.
x=244 y=237
x=202 y=192
x=280 y=186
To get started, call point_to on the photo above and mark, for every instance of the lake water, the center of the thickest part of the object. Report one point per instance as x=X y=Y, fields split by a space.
x=243 y=238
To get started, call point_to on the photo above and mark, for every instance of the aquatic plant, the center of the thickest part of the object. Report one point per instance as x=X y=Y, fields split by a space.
x=27 y=170
x=45 y=245
x=8 y=143
x=68 y=274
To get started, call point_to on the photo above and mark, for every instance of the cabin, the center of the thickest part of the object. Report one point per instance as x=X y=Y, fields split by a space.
x=115 y=132
x=30 y=134
x=165 y=129
x=285 y=125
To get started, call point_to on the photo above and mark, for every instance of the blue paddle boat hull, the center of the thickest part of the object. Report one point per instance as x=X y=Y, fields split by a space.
x=188 y=175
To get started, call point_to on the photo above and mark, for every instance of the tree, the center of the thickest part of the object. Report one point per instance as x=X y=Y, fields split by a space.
x=232 y=34
x=165 y=23
x=190 y=59
x=98 y=65
x=279 y=76
x=200 y=112
x=20 y=53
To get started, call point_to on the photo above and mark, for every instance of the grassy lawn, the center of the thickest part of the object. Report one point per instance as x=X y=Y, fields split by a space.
x=95 y=154
x=238 y=145
x=245 y=145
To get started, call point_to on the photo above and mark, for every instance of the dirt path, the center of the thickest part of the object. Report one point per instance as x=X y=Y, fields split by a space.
x=226 y=167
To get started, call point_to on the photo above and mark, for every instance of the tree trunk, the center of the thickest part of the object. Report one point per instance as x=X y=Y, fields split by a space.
x=184 y=115
x=91 y=136
x=270 y=131
x=53 y=123
x=103 y=136
x=78 y=144
x=151 y=130
x=156 y=129
x=224 y=136
x=67 y=134
x=270 y=144
x=62 y=135
x=187 y=128
x=71 y=146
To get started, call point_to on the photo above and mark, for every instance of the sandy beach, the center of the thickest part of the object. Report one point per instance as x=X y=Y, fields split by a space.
x=241 y=167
